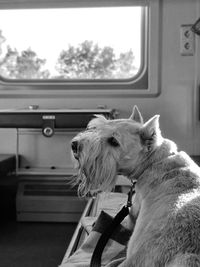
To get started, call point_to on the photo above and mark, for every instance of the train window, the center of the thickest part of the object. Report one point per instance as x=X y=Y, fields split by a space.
x=71 y=43
x=90 y=46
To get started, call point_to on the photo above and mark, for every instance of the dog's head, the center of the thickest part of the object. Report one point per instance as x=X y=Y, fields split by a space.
x=109 y=147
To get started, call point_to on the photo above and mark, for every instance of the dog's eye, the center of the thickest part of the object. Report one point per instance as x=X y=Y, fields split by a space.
x=113 y=141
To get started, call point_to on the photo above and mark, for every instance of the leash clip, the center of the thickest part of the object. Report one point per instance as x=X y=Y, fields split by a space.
x=130 y=195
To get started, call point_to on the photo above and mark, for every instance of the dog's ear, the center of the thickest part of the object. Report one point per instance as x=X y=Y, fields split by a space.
x=96 y=121
x=150 y=132
x=136 y=115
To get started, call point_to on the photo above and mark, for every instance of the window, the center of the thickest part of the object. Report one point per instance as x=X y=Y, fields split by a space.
x=71 y=43
x=89 y=46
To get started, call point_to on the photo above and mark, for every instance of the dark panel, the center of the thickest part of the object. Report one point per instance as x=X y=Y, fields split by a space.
x=7 y=164
x=62 y=118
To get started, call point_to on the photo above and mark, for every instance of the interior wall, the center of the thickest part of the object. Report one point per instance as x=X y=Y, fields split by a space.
x=177 y=104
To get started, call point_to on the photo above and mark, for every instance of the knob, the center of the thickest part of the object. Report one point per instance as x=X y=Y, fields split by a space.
x=48 y=131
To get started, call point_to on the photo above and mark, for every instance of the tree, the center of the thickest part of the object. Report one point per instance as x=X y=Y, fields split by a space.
x=89 y=61
x=125 y=67
x=85 y=61
x=8 y=66
x=24 y=65
x=30 y=66
x=2 y=40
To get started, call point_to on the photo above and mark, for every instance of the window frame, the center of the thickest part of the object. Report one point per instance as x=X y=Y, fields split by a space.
x=146 y=83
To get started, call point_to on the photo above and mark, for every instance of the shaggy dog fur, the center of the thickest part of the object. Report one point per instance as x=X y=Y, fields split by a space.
x=165 y=214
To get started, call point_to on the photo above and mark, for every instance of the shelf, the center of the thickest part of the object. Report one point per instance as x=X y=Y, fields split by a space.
x=66 y=172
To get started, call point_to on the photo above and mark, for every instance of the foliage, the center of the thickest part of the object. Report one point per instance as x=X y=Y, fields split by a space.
x=24 y=65
x=85 y=61
x=89 y=61
x=2 y=40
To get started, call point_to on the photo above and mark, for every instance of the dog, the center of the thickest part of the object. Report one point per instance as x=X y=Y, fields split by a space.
x=165 y=214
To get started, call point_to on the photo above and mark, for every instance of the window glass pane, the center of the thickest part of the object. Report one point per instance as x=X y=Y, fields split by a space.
x=71 y=43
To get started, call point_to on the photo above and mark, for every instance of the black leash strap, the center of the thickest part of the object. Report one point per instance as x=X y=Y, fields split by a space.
x=96 y=256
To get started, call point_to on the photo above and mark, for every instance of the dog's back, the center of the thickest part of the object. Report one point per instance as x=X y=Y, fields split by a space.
x=167 y=230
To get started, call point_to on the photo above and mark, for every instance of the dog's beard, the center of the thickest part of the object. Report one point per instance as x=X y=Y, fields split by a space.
x=97 y=171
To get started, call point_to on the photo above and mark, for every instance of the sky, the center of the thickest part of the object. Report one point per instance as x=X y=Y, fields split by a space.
x=48 y=31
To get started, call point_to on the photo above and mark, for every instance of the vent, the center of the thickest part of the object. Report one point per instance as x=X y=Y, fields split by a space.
x=38 y=189
x=54 y=201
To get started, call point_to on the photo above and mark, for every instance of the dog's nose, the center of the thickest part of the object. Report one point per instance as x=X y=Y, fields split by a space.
x=74 y=146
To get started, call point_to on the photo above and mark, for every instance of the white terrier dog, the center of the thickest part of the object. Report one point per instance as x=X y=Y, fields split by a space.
x=166 y=206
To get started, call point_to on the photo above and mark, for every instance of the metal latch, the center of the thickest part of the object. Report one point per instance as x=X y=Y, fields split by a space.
x=48 y=125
